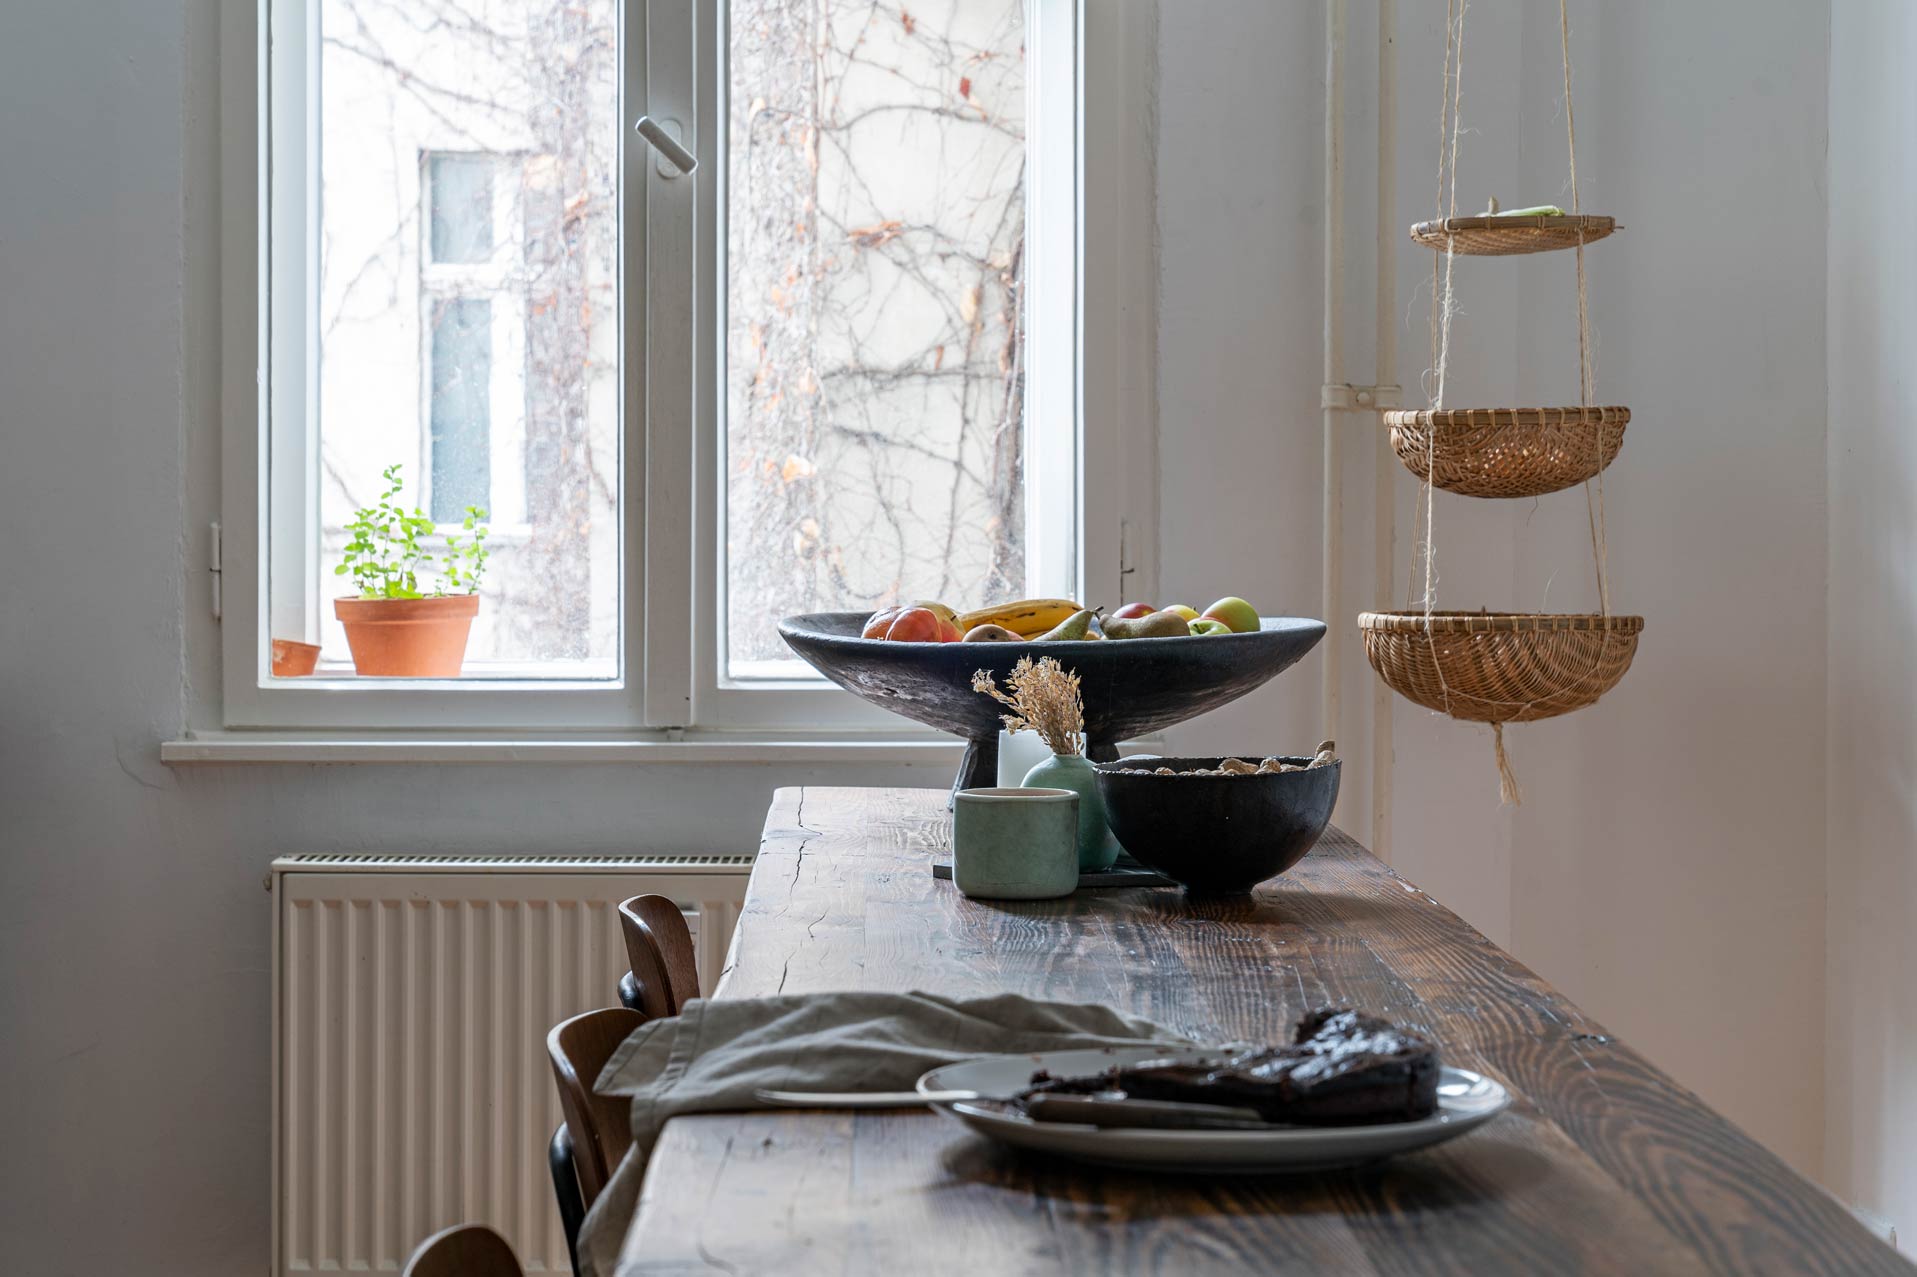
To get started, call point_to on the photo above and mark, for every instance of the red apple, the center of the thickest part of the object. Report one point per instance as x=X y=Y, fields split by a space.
x=948 y=632
x=915 y=625
x=1241 y=616
x=879 y=622
x=1131 y=610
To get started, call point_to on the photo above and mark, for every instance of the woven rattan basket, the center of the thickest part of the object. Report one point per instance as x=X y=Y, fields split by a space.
x=1507 y=452
x=1500 y=668
x=1486 y=236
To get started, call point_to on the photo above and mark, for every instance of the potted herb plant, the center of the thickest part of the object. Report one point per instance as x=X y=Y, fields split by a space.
x=395 y=628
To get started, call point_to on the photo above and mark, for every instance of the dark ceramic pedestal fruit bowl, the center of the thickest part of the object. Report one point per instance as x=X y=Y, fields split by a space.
x=1216 y=835
x=1130 y=686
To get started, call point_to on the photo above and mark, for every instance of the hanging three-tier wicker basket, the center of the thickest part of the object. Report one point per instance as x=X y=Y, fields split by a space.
x=1484 y=666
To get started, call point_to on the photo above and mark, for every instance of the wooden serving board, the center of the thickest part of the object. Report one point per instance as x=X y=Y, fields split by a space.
x=1125 y=872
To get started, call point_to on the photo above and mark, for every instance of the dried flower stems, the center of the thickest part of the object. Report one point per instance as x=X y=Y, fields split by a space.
x=1044 y=699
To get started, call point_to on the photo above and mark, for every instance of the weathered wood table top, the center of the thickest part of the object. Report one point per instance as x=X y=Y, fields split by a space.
x=1602 y=1165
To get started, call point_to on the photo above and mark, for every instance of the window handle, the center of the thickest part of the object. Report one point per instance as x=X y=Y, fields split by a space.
x=661 y=134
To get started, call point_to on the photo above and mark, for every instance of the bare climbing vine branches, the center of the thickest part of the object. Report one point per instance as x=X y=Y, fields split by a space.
x=875 y=278
x=875 y=336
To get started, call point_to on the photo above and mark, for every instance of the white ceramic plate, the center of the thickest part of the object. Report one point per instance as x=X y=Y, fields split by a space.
x=1465 y=1100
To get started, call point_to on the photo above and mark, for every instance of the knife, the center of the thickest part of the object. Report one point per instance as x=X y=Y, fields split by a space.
x=1083 y=1110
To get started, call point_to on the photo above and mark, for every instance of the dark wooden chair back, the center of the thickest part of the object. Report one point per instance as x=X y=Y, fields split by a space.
x=659 y=947
x=464 y=1250
x=600 y=1125
x=565 y=1190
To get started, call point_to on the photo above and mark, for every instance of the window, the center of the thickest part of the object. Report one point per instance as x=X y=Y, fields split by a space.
x=835 y=367
x=461 y=413
x=446 y=185
x=457 y=291
x=460 y=192
x=876 y=256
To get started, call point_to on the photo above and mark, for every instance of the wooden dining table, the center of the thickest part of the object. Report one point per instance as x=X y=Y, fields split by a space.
x=1603 y=1164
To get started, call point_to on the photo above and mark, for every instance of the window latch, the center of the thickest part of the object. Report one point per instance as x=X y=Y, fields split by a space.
x=674 y=160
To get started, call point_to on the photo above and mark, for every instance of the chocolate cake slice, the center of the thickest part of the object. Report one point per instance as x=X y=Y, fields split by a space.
x=1342 y=1068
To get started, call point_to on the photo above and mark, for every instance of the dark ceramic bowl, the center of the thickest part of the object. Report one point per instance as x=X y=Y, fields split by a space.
x=1217 y=834
x=1130 y=686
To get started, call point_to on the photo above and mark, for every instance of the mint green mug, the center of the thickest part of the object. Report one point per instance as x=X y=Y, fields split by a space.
x=1015 y=844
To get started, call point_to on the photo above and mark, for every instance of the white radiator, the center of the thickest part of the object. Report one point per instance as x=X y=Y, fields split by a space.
x=411 y=1000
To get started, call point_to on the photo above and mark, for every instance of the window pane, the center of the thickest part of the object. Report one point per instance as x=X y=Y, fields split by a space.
x=466 y=320
x=462 y=408
x=875 y=330
x=461 y=190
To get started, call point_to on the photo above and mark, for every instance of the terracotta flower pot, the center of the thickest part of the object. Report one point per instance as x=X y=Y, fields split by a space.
x=408 y=638
x=294 y=659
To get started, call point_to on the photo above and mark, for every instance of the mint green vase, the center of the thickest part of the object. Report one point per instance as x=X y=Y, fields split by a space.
x=1096 y=846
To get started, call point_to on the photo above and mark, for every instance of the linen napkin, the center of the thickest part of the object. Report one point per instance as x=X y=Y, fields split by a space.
x=714 y=1056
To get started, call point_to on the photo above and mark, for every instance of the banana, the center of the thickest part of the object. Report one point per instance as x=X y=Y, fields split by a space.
x=1025 y=617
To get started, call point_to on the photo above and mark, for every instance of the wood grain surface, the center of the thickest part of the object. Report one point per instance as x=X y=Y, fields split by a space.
x=1603 y=1164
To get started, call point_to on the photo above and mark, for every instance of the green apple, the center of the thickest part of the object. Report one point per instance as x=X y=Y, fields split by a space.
x=1206 y=625
x=1241 y=616
x=1189 y=613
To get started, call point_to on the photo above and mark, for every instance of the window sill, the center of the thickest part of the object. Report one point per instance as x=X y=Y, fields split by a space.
x=689 y=747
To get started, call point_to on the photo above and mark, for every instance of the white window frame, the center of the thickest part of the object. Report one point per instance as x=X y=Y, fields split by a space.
x=689 y=82
x=672 y=388
x=270 y=411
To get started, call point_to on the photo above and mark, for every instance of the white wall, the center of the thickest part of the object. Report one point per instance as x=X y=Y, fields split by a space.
x=1871 y=1064
x=1240 y=216
x=1666 y=869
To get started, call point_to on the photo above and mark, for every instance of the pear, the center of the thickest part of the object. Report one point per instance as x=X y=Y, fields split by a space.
x=1157 y=625
x=1073 y=628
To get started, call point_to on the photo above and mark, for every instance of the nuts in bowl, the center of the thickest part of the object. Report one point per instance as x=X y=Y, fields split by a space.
x=1325 y=757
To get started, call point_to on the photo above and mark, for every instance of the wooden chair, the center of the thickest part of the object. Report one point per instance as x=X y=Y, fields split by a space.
x=599 y=1126
x=464 y=1250
x=659 y=947
x=565 y=1190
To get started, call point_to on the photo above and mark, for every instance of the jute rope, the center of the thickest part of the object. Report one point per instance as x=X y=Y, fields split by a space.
x=1533 y=670
x=1450 y=98
x=1587 y=375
